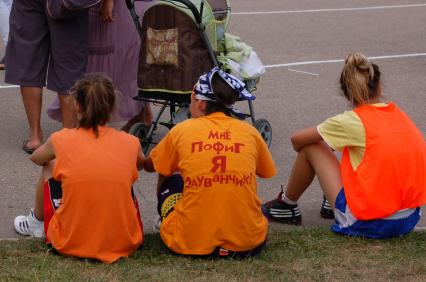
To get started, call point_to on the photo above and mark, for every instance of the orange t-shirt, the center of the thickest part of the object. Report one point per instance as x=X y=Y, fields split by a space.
x=97 y=217
x=218 y=158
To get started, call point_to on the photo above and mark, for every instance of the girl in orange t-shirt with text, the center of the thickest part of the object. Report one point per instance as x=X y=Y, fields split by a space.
x=208 y=166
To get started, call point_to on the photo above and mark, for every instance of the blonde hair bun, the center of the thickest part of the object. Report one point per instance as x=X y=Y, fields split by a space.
x=360 y=62
x=359 y=79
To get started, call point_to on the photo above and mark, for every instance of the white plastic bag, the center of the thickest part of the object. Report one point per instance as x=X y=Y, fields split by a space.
x=250 y=68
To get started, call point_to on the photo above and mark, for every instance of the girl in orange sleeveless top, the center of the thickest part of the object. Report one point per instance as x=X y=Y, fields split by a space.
x=380 y=183
x=85 y=205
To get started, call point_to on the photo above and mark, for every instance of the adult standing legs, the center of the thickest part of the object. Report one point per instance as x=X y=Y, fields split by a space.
x=68 y=60
x=32 y=99
x=5 y=6
x=42 y=50
x=27 y=57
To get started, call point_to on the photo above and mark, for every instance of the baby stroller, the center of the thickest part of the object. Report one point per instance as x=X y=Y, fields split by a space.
x=180 y=40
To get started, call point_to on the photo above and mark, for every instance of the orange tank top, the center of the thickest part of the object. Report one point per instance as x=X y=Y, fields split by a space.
x=392 y=174
x=97 y=218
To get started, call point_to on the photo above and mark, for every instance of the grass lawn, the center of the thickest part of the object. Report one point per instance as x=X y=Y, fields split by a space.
x=296 y=255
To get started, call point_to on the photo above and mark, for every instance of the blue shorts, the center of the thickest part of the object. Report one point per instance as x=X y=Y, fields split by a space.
x=398 y=224
x=169 y=194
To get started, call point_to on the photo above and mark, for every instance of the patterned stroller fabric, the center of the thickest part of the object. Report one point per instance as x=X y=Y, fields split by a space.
x=173 y=53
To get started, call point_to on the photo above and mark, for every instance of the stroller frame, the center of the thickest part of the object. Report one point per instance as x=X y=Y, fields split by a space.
x=166 y=99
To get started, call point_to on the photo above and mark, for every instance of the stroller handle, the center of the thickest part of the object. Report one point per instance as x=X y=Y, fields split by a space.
x=130 y=4
x=197 y=16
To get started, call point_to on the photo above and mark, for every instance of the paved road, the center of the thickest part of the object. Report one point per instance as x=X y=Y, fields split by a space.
x=300 y=42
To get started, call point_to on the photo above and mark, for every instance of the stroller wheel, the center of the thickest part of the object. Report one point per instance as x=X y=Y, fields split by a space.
x=140 y=130
x=265 y=129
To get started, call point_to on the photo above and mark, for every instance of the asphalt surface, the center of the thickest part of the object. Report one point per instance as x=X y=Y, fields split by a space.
x=293 y=93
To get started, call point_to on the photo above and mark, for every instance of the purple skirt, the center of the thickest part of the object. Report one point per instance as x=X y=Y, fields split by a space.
x=114 y=51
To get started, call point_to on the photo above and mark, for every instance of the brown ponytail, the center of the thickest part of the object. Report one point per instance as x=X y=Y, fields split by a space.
x=95 y=96
x=360 y=79
x=224 y=94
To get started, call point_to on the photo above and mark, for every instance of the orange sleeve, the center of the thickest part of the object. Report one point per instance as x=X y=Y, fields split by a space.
x=164 y=155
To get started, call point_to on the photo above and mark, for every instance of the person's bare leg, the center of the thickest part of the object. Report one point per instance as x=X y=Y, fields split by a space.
x=302 y=175
x=46 y=173
x=69 y=117
x=148 y=114
x=145 y=116
x=32 y=100
x=316 y=159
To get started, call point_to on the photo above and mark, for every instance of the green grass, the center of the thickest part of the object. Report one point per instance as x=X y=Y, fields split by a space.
x=296 y=255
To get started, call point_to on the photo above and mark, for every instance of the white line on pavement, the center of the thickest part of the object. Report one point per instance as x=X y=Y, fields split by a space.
x=306 y=63
x=331 y=10
x=9 y=86
x=305 y=72
x=341 y=60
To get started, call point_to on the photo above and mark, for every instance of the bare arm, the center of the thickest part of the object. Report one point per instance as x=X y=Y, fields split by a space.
x=140 y=159
x=43 y=154
x=305 y=137
x=148 y=164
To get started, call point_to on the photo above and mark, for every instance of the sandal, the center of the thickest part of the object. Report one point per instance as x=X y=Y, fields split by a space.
x=27 y=149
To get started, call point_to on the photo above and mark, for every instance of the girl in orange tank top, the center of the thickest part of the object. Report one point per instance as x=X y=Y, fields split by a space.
x=81 y=167
x=378 y=187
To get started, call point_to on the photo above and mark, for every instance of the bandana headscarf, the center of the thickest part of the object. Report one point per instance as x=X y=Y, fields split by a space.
x=204 y=90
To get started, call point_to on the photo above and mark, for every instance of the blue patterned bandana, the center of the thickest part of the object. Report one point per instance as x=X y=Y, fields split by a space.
x=204 y=91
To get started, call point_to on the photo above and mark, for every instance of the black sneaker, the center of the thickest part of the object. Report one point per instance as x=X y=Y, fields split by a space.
x=280 y=211
x=326 y=211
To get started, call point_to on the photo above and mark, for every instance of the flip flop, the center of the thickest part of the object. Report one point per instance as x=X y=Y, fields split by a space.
x=2 y=64
x=27 y=149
